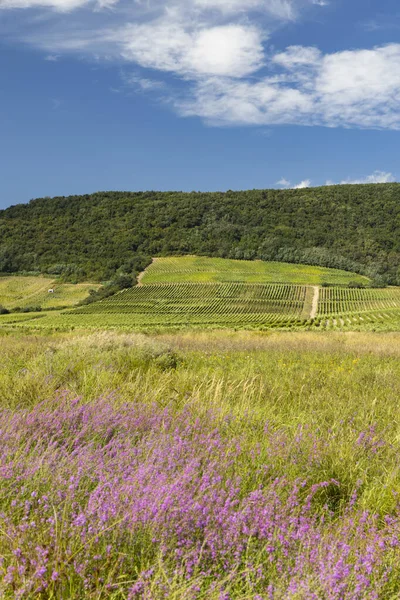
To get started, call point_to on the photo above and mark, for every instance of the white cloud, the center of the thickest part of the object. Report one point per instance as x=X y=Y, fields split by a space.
x=58 y=5
x=358 y=88
x=281 y=8
x=287 y=184
x=227 y=101
x=216 y=48
x=376 y=177
x=303 y=184
x=298 y=56
x=283 y=182
x=166 y=45
x=360 y=75
x=141 y=83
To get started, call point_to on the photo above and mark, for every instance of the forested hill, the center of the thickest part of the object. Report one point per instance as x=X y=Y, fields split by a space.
x=355 y=227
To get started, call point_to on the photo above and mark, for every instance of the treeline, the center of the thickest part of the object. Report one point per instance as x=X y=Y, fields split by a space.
x=109 y=234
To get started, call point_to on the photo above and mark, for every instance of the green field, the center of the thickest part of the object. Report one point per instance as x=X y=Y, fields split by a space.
x=199 y=269
x=21 y=291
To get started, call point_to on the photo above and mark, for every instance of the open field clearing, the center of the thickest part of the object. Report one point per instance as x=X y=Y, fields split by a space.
x=199 y=269
x=200 y=466
x=33 y=292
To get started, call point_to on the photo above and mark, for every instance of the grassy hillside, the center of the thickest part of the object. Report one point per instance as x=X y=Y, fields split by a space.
x=20 y=291
x=198 y=269
x=350 y=227
x=200 y=467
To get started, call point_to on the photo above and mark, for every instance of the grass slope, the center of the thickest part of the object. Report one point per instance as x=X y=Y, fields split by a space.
x=200 y=466
x=33 y=291
x=199 y=269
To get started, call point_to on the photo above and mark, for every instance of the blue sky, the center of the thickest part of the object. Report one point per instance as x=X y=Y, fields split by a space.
x=196 y=94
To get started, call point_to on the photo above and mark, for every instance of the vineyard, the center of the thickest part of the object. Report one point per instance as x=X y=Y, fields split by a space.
x=227 y=305
x=358 y=308
x=179 y=292
x=200 y=269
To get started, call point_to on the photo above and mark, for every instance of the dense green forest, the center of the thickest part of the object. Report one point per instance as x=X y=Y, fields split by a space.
x=352 y=227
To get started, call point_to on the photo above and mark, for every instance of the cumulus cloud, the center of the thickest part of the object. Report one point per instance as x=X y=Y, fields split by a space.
x=229 y=50
x=283 y=182
x=228 y=101
x=355 y=88
x=296 y=57
x=303 y=184
x=217 y=50
x=375 y=177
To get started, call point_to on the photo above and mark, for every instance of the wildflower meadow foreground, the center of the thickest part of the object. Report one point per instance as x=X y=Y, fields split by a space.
x=216 y=466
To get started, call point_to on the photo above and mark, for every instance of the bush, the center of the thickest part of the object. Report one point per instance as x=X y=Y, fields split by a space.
x=167 y=361
x=3 y=310
x=378 y=282
x=27 y=309
x=120 y=282
x=356 y=285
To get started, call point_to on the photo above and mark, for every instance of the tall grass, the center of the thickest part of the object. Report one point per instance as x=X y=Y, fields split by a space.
x=200 y=466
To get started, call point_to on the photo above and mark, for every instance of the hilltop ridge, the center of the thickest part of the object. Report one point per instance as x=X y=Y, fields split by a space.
x=350 y=227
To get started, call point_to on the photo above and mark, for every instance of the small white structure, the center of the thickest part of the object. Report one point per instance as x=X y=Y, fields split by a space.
x=51 y=291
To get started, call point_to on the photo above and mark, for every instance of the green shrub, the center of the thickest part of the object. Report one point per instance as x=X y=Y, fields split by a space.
x=356 y=285
x=167 y=361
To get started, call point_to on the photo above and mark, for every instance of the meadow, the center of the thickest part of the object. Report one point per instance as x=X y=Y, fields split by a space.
x=200 y=465
x=32 y=291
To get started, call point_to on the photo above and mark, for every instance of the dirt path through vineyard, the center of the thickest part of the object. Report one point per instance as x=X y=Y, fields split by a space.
x=314 y=308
